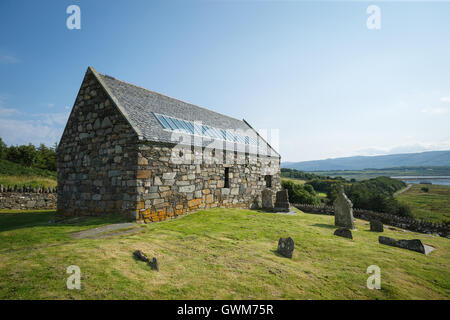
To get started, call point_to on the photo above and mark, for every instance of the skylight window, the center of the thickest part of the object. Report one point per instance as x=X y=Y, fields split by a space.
x=190 y=127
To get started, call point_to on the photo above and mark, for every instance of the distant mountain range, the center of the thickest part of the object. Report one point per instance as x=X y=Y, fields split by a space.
x=422 y=159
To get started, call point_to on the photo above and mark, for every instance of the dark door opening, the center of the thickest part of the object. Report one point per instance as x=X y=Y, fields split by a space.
x=227 y=178
x=268 y=179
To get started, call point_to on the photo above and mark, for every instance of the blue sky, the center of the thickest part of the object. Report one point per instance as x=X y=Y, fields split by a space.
x=311 y=71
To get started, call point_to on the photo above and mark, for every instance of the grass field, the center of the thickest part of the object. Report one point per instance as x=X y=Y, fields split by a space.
x=33 y=181
x=299 y=181
x=433 y=205
x=215 y=254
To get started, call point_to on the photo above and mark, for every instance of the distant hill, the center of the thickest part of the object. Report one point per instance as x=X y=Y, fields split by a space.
x=422 y=159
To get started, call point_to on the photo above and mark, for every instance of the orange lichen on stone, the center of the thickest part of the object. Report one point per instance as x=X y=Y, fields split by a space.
x=194 y=202
x=209 y=198
x=144 y=174
x=140 y=205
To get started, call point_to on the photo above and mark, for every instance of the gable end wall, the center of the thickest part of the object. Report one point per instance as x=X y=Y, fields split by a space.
x=97 y=157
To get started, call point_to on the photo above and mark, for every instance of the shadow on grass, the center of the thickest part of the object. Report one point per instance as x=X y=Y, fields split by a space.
x=30 y=219
x=321 y=225
x=275 y=252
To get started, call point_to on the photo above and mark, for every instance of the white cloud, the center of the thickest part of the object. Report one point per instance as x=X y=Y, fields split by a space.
x=53 y=119
x=30 y=128
x=5 y=112
x=445 y=99
x=28 y=131
x=436 y=110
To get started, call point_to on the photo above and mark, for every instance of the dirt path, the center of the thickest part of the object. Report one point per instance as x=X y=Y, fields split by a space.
x=403 y=190
x=105 y=231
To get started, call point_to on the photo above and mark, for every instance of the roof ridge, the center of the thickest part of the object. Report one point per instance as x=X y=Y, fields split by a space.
x=165 y=95
x=114 y=99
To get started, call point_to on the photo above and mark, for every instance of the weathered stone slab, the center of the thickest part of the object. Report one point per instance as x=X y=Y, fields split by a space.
x=154 y=264
x=376 y=226
x=414 y=245
x=286 y=247
x=343 y=211
x=257 y=202
x=139 y=255
x=282 y=201
x=267 y=199
x=343 y=232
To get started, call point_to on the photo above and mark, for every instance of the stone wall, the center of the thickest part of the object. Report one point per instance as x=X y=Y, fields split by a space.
x=97 y=157
x=196 y=180
x=389 y=219
x=27 y=198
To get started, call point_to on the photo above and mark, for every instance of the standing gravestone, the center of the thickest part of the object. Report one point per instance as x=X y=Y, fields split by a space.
x=282 y=201
x=286 y=247
x=267 y=199
x=376 y=226
x=343 y=211
x=154 y=264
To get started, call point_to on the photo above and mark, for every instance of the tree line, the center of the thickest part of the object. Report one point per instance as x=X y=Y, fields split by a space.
x=375 y=194
x=41 y=157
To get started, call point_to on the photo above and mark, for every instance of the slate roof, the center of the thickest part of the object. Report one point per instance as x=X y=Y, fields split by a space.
x=138 y=104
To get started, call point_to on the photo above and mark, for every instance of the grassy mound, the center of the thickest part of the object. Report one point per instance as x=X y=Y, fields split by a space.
x=433 y=205
x=12 y=173
x=215 y=254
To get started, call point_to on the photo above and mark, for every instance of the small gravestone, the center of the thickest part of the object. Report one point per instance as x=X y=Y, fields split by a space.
x=376 y=226
x=414 y=245
x=139 y=255
x=154 y=264
x=267 y=199
x=286 y=247
x=343 y=232
x=282 y=201
x=343 y=211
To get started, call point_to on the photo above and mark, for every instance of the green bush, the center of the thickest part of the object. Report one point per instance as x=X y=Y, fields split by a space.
x=377 y=195
x=298 y=193
x=425 y=189
x=404 y=210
